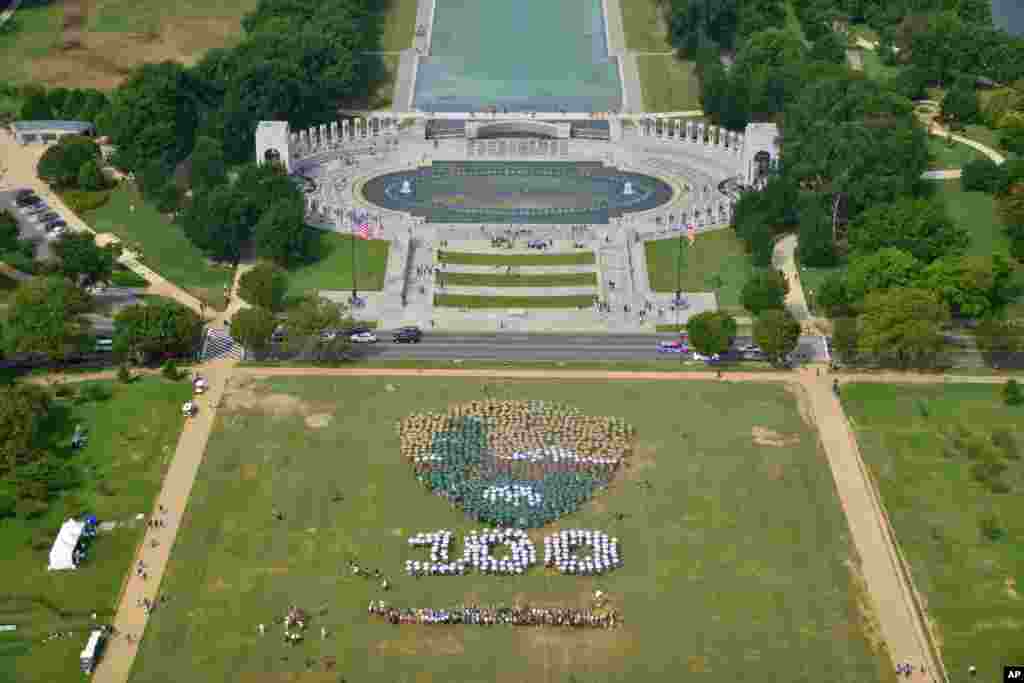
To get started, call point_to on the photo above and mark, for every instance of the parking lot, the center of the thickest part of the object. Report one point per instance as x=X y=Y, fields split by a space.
x=27 y=225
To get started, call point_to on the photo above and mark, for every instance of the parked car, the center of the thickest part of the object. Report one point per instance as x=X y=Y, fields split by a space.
x=672 y=347
x=104 y=345
x=38 y=208
x=364 y=338
x=23 y=192
x=407 y=335
x=707 y=359
x=55 y=225
x=328 y=335
x=31 y=200
x=48 y=216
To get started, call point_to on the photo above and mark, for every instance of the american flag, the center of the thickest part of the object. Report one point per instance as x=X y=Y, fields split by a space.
x=690 y=233
x=361 y=226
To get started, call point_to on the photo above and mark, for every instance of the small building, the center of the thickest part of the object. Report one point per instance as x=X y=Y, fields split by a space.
x=26 y=132
x=63 y=554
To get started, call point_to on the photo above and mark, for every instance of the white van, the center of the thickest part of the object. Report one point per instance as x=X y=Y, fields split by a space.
x=91 y=654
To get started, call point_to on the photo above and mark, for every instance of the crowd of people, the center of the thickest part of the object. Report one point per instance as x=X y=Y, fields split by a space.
x=498 y=616
x=560 y=552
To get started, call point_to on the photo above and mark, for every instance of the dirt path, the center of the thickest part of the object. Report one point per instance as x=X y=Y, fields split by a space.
x=70 y=377
x=888 y=580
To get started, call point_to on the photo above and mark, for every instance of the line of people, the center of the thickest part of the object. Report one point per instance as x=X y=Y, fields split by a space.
x=497 y=616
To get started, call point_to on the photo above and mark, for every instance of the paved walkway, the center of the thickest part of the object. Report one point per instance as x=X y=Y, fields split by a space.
x=516 y=291
x=130 y=620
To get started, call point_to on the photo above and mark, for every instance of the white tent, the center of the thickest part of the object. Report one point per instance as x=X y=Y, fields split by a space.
x=62 y=554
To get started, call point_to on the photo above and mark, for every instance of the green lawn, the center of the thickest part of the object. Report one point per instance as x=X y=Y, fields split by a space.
x=643 y=22
x=875 y=69
x=7 y=287
x=581 y=258
x=668 y=84
x=399 y=25
x=715 y=254
x=333 y=270
x=942 y=155
x=164 y=246
x=969 y=582
x=31 y=33
x=811 y=280
x=736 y=554
x=517 y=280
x=132 y=436
x=126 y=16
x=976 y=213
x=473 y=301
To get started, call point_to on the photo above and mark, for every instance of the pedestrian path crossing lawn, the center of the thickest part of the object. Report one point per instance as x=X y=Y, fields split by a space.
x=473 y=301
x=581 y=258
x=736 y=552
x=332 y=270
x=517 y=280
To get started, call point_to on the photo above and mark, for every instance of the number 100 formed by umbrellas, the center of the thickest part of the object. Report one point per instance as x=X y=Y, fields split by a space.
x=515 y=463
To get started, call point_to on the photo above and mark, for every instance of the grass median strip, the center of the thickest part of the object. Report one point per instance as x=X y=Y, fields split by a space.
x=582 y=258
x=471 y=301
x=517 y=280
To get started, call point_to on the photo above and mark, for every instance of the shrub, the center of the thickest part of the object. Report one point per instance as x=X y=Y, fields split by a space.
x=1012 y=394
x=94 y=393
x=124 y=375
x=81 y=201
x=30 y=508
x=65 y=391
x=982 y=175
x=8 y=505
x=1006 y=441
x=127 y=278
x=171 y=371
x=991 y=528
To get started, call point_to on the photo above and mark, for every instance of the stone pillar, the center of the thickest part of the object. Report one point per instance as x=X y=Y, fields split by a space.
x=295 y=140
x=679 y=130
x=344 y=130
x=305 y=141
x=739 y=143
x=700 y=133
x=334 y=133
x=323 y=136
x=689 y=131
x=375 y=126
x=716 y=133
x=642 y=127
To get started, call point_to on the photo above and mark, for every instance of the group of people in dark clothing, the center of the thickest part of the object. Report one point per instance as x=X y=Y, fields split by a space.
x=498 y=616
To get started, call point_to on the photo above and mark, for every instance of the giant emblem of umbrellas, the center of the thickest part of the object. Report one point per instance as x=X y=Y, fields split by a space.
x=515 y=463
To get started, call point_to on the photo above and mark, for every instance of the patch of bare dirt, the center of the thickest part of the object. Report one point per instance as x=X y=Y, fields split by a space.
x=1011 y=588
x=249 y=471
x=219 y=585
x=423 y=640
x=697 y=664
x=803 y=402
x=318 y=420
x=254 y=396
x=767 y=437
x=776 y=472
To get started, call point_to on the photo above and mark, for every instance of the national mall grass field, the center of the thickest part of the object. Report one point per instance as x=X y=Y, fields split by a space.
x=737 y=556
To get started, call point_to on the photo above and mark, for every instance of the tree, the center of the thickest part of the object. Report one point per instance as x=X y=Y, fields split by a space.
x=846 y=338
x=36 y=106
x=1012 y=393
x=974 y=286
x=765 y=290
x=982 y=175
x=960 y=105
x=153 y=115
x=904 y=324
x=281 y=234
x=995 y=336
x=207 y=164
x=45 y=316
x=834 y=297
x=777 y=332
x=919 y=227
x=711 y=332
x=816 y=246
x=309 y=318
x=252 y=328
x=9 y=231
x=23 y=411
x=61 y=164
x=162 y=328
x=217 y=223
x=883 y=269
x=264 y=285
x=830 y=47
x=84 y=262
x=90 y=178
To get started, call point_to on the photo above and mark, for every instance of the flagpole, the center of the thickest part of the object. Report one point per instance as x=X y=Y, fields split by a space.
x=355 y=287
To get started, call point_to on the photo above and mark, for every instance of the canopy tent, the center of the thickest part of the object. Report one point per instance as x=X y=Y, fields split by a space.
x=62 y=554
